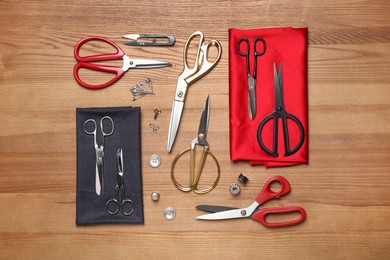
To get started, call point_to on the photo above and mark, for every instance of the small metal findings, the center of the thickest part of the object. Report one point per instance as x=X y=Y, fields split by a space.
x=141 y=89
x=235 y=189
x=154 y=127
x=169 y=213
x=155 y=196
x=242 y=178
x=157 y=111
x=154 y=161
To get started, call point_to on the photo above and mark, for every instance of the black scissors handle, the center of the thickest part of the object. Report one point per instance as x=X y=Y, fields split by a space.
x=275 y=117
x=255 y=54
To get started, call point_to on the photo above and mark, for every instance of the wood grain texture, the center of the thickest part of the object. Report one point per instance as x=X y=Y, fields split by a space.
x=345 y=188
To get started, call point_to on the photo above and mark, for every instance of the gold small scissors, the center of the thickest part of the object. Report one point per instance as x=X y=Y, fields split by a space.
x=199 y=140
x=188 y=76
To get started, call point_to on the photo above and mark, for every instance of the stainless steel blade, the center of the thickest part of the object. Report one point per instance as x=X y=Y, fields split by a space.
x=230 y=214
x=204 y=119
x=99 y=179
x=177 y=110
x=213 y=209
x=131 y=36
x=251 y=97
x=147 y=64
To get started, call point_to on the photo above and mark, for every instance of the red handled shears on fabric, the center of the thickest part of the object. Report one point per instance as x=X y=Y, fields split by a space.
x=87 y=62
x=266 y=194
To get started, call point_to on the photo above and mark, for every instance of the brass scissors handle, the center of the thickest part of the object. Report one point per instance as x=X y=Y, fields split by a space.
x=202 y=64
x=195 y=176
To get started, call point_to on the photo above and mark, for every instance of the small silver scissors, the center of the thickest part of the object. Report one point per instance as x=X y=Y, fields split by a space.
x=113 y=205
x=99 y=149
x=189 y=76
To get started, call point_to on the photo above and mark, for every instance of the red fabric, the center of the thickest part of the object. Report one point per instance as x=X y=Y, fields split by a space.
x=289 y=47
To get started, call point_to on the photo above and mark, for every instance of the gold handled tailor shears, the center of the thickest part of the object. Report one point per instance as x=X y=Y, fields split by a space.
x=189 y=76
x=199 y=140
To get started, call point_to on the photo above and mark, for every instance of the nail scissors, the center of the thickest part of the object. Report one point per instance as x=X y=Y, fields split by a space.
x=253 y=212
x=251 y=77
x=280 y=112
x=199 y=140
x=99 y=149
x=189 y=76
x=85 y=62
x=120 y=202
x=150 y=40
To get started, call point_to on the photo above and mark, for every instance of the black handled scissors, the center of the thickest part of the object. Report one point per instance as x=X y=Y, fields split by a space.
x=251 y=77
x=113 y=205
x=280 y=112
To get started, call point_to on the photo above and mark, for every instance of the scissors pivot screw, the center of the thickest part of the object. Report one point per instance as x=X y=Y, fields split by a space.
x=243 y=212
x=201 y=136
x=180 y=94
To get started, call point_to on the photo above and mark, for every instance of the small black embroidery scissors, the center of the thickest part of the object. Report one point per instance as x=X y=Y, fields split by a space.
x=251 y=76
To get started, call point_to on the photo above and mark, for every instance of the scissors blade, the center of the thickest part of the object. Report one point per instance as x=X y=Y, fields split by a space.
x=99 y=179
x=147 y=64
x=133 y=37
x=213 y=209
x=119 y=161
x=204 y=119
x=230 y=214
x=278 y=87
x=251 y=97
x=177 y=110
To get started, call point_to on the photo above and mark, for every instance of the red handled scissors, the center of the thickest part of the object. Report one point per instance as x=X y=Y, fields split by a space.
x=253 y=212
x=85 y=62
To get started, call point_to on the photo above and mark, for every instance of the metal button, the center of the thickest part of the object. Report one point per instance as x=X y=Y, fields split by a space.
x=235 y=189
x=154 y=161
x=155 y=196
x=169 y=213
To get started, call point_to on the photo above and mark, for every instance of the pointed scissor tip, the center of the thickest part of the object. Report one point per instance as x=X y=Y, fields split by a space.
x=131 y=36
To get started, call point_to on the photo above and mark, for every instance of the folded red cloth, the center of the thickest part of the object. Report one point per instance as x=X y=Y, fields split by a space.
x=287 y=46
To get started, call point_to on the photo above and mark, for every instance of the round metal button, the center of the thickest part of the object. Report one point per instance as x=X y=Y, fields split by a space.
x=154 y=161
x=169 y=213
x=235 y=189
x=155 y=196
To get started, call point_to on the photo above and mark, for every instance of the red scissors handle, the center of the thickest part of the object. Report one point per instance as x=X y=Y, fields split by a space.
x=117 y=70
x=263 y=213
x=99 y=57
x=84 y=62
x=267 y=194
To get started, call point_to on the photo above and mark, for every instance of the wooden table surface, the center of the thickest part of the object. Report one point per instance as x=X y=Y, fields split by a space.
x=345 y=188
